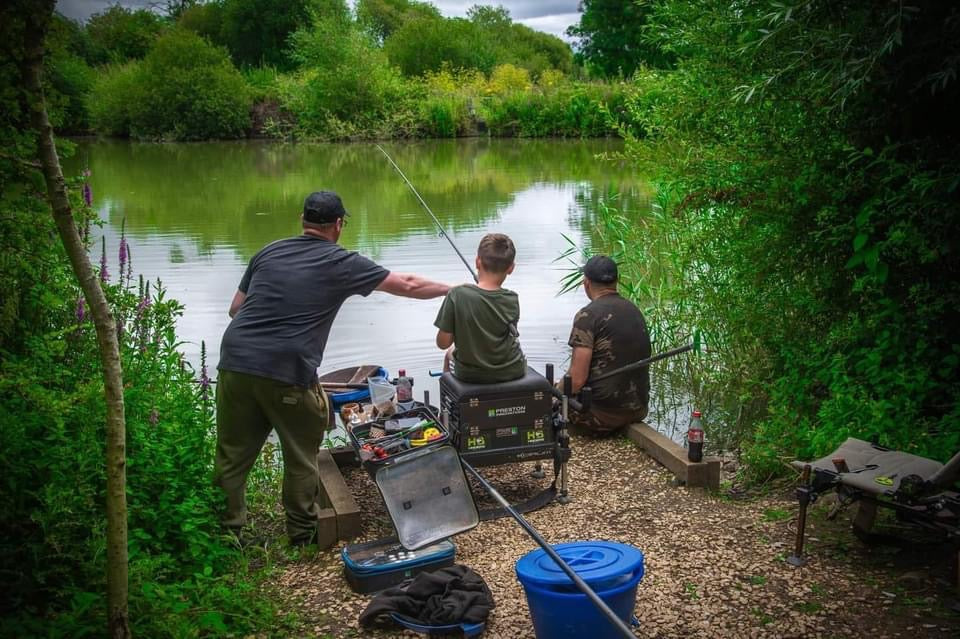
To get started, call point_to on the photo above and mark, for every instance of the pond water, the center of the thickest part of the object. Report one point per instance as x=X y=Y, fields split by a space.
x=195 y=214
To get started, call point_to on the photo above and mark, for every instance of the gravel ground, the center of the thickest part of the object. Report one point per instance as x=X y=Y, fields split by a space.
x=714 y=565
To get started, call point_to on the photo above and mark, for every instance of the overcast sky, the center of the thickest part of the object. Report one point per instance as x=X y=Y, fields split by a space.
x=552 y=16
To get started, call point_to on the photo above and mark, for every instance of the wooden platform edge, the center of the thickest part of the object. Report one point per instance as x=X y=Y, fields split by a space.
x=342 y=502
x=672 y=455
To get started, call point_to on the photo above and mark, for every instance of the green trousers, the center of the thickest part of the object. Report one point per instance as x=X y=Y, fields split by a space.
x=248 y=407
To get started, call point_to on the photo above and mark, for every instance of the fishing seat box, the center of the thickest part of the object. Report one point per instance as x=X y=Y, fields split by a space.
x=500 y=423
x=379 y=564
x=424 y=488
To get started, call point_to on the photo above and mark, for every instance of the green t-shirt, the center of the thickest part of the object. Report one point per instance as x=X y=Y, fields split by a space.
x=483 y=324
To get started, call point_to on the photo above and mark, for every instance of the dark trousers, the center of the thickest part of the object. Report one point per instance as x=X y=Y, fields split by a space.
x=248 y=407
x=602 y=421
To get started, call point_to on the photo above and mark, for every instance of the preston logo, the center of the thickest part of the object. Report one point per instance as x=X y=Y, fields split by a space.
x=503 y=412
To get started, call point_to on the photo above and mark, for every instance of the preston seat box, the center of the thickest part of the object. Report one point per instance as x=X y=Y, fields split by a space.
x=500 y=423
x=383 y=563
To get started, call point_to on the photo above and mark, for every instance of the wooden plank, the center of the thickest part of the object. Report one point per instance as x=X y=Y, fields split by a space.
x=345 y=457
x=672 y=455
x=327 y=528
x=347 y=512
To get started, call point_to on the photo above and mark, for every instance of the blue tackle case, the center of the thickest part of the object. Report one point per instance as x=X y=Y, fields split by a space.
x=379 y=564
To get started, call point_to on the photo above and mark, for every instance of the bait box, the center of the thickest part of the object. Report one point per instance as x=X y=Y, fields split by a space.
x=424 y=487
x=379 y=564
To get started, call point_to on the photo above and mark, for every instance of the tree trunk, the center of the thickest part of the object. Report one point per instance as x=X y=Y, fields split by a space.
x=117 y=613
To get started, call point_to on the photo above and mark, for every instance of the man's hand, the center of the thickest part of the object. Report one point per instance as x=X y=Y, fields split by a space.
x=410 y=285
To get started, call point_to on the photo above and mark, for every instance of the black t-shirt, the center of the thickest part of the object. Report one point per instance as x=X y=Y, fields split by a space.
x=616 y=331
x=294 y=288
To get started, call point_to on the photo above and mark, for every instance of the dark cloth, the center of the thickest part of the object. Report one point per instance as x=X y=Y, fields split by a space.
x=294 y=289
x=483 y=324
x=452 y=595
x=617 y=332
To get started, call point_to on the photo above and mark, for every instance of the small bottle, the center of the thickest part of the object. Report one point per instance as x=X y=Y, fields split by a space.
x=695 y=438
x=404 y=387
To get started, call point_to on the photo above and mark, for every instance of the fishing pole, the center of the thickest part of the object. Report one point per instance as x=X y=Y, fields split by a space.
x=443 y=231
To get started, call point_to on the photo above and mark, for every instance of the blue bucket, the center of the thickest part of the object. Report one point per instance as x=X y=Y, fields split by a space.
x=559 y=610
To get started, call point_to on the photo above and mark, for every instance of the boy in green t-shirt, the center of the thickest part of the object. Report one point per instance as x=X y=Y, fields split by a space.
x=477 y=323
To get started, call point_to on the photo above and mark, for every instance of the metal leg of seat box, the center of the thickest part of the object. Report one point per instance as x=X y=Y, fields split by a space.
x=563 y=443
x=804 y=497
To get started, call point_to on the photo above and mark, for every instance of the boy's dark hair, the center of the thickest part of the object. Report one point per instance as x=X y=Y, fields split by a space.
x=496 y=252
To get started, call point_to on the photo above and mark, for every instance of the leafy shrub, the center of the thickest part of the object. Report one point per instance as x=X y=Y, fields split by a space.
x=185 y=89
x=574 y=110
x=115 y=92
x=346 y=81
x=507 y=79
x=185 y=577
x=427 y=43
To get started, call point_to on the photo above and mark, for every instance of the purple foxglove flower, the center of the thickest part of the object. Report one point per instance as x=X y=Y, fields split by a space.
x=104 y=274
x=81 y=313
x=87 y=194
x=154 y=417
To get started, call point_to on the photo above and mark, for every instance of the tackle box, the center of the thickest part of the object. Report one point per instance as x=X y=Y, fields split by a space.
x=423 y=487
x=379 y=564
x=500 y=423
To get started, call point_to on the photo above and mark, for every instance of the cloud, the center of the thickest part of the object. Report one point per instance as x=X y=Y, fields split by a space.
x=520 y=10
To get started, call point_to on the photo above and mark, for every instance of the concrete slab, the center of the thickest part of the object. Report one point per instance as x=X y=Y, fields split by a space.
x=672 y=455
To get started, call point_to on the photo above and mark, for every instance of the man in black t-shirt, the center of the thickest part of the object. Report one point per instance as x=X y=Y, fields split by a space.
x=608 y=333
x=282 y=314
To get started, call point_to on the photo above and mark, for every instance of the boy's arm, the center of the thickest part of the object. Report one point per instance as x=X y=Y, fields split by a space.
x=444 y=340
x=445 y=320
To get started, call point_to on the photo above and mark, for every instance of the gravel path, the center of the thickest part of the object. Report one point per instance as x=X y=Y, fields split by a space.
x=714 y=566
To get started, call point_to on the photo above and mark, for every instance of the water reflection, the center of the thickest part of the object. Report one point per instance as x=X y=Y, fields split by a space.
x=196 y=213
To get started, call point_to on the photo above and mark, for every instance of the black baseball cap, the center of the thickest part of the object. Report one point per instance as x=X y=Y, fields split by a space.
x=600 y=269
x=323 y=207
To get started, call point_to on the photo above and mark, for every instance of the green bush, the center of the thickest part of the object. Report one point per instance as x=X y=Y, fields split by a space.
x=113 y=95
x=186 y=579
x=570 y=110
x=185 y=89
x=813 y=232
x=347 y=86
x=427 y=43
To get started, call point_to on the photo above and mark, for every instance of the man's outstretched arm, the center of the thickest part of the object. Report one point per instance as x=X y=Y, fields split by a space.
x=410 y=285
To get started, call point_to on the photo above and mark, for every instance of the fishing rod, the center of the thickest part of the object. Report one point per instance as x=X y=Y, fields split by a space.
x=623 y=369
x=443 y=231
x=644 y=362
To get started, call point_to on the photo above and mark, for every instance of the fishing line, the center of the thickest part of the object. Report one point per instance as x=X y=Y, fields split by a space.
x=443 y=231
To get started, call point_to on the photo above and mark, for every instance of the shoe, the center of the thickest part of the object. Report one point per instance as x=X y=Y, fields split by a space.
x=244 y=540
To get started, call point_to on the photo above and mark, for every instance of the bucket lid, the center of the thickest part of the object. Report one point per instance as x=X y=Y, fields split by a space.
x=593 y=561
